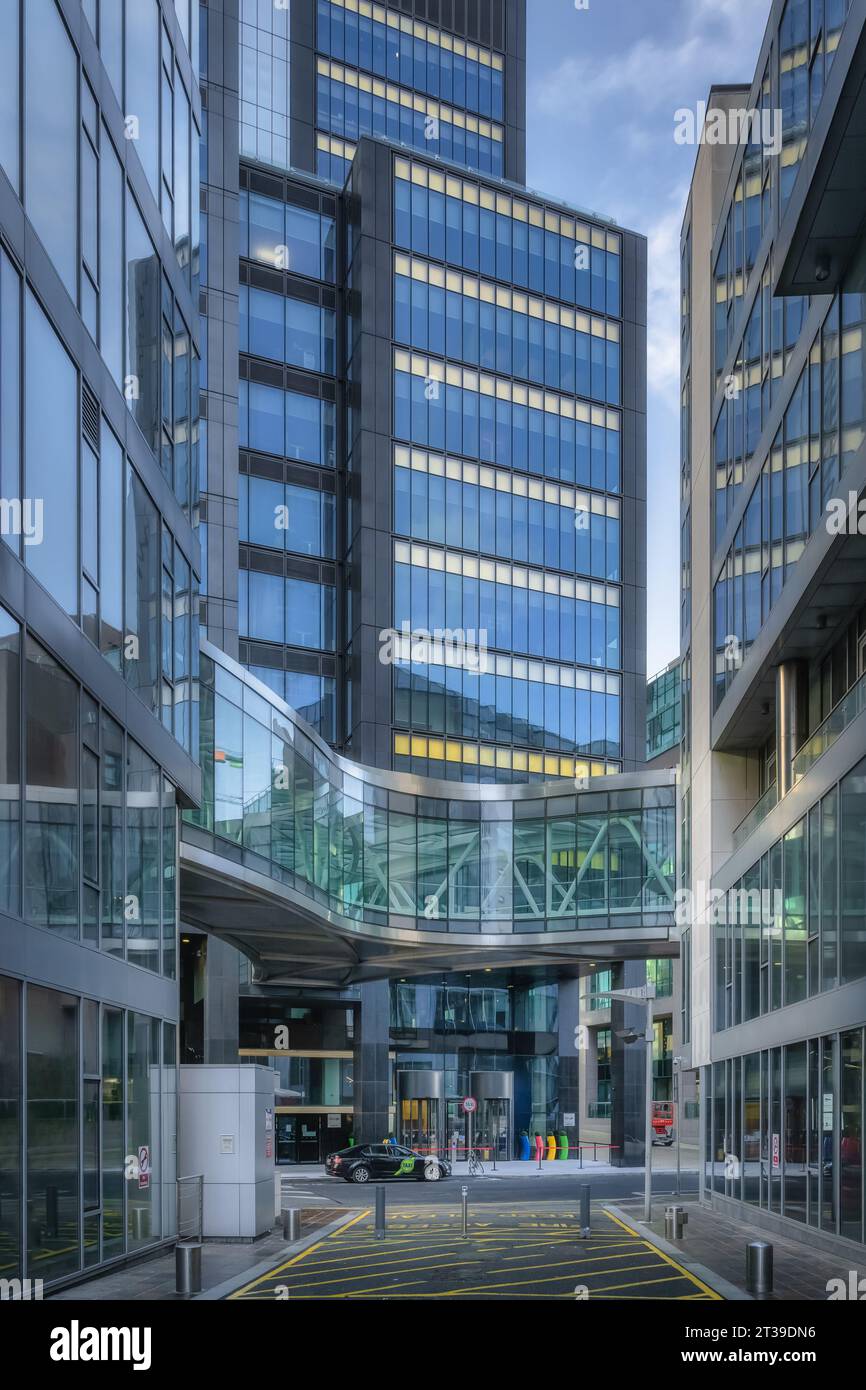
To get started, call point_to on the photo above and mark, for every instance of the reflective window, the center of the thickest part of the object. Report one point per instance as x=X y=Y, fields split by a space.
x=286 y=517
x=287 y=330
x=498 y=235
x=10 y=766
x=289 y=611
x=52 y=1080
x=286 y=236
x=143 y=1078
x=286 y=423
x=264 y=82
x=541 y=614
x=10 y=395
x=459 y=504
x=10 y=130
x=500 y=421
x=51 y=138
x=350 y=105
x=143 y=873
x=499 y=330
x=111 y=279
x=381 y=41
x=143 y=281
x=142 y=84
x=50 y=504
x=141 y=642
x=51 y=812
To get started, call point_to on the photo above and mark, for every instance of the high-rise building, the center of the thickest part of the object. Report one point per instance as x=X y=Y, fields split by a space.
x=440 y=390
x=663 y=715
x=99 y=565
x=772 y=825
x=395 y=798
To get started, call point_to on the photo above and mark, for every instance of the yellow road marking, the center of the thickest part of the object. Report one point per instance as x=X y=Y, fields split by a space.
x=556 y=1279
x=361 y=1259
x=296 y=1259
x=693 y=1278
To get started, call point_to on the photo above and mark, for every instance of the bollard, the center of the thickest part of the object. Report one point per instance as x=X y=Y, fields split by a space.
x=675 y=1219
x=291 y=1223
x=187 y=1266
x=380 y=1213
x=140 y=1222
x=759 y=1267
x=585 y=1220
x=464 y=1198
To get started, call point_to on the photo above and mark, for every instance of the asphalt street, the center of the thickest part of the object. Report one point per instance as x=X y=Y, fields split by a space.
x=514 y=1249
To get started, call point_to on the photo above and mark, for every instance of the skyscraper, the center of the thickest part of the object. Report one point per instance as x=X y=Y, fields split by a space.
x=99 y=565
x=411 y=494
x=441 y=410
x=772 y=750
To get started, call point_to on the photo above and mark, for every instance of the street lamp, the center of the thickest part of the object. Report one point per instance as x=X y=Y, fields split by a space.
x=643 y=994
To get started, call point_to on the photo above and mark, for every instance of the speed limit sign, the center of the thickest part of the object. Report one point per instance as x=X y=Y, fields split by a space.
x=470 y=1105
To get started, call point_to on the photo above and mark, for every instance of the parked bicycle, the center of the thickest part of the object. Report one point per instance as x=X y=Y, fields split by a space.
x=476 y=1167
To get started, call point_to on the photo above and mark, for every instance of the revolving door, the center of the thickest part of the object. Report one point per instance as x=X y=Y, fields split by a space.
x=492 y=1123
x=421 y=1110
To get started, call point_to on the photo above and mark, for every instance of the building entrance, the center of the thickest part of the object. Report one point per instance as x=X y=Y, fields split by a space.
x=310 y=1138
x=420 y=1111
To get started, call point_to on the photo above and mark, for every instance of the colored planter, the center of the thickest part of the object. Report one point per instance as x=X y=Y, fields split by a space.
x=563 y=1146
x=525 y=1150
x=551 y=1146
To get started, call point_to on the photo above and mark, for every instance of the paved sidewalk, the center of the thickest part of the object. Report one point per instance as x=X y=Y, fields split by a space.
x=155 y=1279
x=800 y=1271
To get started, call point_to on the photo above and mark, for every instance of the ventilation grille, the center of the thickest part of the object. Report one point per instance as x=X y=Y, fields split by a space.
x=90 y=415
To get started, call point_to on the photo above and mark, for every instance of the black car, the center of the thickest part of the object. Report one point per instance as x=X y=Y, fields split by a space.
x=361 y=1163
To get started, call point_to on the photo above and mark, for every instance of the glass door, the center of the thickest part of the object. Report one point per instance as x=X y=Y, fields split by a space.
x=492 y=1128
x=455 y=1131
x=421 y=1125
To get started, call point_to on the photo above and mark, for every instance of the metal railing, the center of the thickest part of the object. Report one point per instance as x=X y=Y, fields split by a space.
x=837 y=721
x=190 y=1207
x=759 y=812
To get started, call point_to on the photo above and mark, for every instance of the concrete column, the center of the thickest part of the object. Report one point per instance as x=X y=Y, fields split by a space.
x=791 y=723
x=372 y=1081
x=628 y=1071
x=568 y=1092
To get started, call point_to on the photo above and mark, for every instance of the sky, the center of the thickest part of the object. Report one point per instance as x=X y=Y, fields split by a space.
x=603 y=83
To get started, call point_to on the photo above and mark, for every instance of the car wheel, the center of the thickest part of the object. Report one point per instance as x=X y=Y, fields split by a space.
x=360 y=1174
x=432 y=1172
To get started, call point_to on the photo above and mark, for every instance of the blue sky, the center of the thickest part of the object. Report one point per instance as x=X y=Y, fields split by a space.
x=603 y=84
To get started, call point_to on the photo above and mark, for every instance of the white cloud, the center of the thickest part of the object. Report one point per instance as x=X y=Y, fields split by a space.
x=657 y=72
x=663 y=297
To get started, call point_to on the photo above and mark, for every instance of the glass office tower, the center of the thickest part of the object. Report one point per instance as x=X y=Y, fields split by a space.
x=99 y=565
x=773 y=638
x=432 y=543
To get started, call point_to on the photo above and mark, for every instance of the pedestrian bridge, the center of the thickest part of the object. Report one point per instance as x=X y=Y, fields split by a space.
x=323 y=871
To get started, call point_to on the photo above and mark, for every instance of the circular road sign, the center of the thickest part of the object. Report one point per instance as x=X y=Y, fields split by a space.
x=470 y=1104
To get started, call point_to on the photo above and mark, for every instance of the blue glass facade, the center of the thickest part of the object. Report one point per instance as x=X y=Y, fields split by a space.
x=385 y=75
x=99 y=617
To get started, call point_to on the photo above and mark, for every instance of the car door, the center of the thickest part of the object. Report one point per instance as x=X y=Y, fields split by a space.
x=383 y=1163
x=406 y=1162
